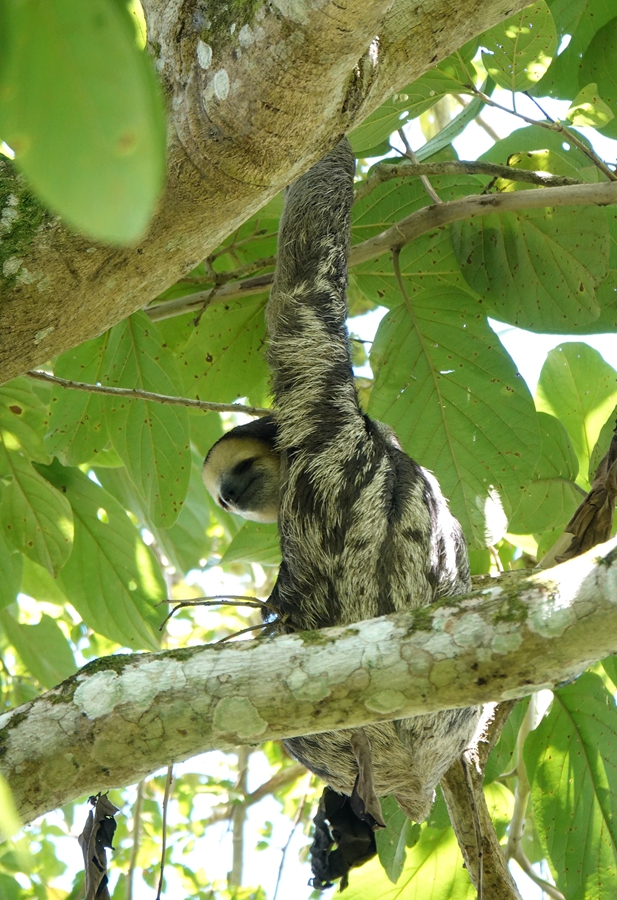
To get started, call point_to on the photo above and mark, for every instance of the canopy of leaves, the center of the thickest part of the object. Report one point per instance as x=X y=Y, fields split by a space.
x=103 y=514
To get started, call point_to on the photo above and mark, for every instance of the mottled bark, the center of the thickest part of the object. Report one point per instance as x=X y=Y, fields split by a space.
x=124 y=716
x=246 y=116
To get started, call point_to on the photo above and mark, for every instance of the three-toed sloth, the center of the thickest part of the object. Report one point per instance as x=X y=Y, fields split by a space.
x=364 y=529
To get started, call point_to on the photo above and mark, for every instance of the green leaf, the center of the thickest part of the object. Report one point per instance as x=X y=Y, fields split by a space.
x=77 y=427
x=37 y=583
x=598 y=66
x=152 y=439
x=455 y=127
x=451 y=392
x=451 y=76
x=11 y=566
x=427 y=262
x=35 y=518
x=565 y=158
x=588 y=108
x=80 y=106
x=23 y=418
x=9 y=825
x=580 y=389
x=224 y=358
x=501 y=759
x=536 y=269
x=393 y=840
x=551 y=497
x=254 y=543
x=434 y=869
x=521 y=48
x=602 y=444
x=572 y=765
x=112 y=578
x=42 y=648
x=580 y=20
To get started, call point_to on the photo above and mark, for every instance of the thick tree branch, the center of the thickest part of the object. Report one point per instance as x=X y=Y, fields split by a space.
x=408 y=229
x=124 y=716
x=244 y=120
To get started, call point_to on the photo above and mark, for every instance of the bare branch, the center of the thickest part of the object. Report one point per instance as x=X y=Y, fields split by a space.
x=138 y=394
x=126 y=716
x=412 y=227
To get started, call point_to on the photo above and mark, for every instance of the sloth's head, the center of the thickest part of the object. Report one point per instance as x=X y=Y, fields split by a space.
x=241 y=471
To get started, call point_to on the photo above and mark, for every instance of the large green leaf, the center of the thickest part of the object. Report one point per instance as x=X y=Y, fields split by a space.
x=42 y=648
x=598 y=66
x=393 y=841
x=521 y=48
x=80 y=106
x=112 y=579
x=77 y=427
x=152 y=439
x=34 y=517
x=580 y=20
x=579 y=388
x=572 y=765
x=427 y=262
x=224 y=358
x=255 y=543
x=11 y=567
x=434 y=869
x=551 y=497
x=444 y=382
x=452 y=76
x=536 y=269
x=23 y=419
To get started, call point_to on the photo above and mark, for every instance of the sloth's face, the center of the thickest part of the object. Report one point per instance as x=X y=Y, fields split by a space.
x=241 y=475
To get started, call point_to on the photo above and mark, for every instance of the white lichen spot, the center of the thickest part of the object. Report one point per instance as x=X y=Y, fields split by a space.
x=469 y=631
x=518 y=692
x=42 y=334
x=91 y=249
x=237 y=715
x=9 y=215
x=142 y=683
x=550 y=618
x=506 y=643
x=245 y=36
x=373 y=51
x=204 y=54
x=11 y=266
x=440 y=646
x=44 y=284
x=220 y=83
x=233 y=28
x=386 y=701
x=25 y=276
x=314 y=689
x=98 y=694
x=378 y=631
x=296 y=10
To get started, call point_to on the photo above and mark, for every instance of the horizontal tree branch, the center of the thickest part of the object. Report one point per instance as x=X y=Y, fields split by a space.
x=139 y=394
x=124 y=716
x=408 y=229
x=388 y=171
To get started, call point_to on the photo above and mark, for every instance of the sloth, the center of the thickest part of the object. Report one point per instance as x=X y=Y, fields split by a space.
x=364 y=529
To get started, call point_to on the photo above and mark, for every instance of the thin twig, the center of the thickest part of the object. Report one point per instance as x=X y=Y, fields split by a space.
x=552 y=125
x=223 y=600
x=139 y=394
x=168 y=783
x=412 y=227
x=238 y=818
x=466 y=762
x=280 y=779
x=242 y=631
x=523 y=788
x=135 y=837
x=528 y=869
x=233 y=274
x=386 y=171
x=295 y=824
x=428 y=187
